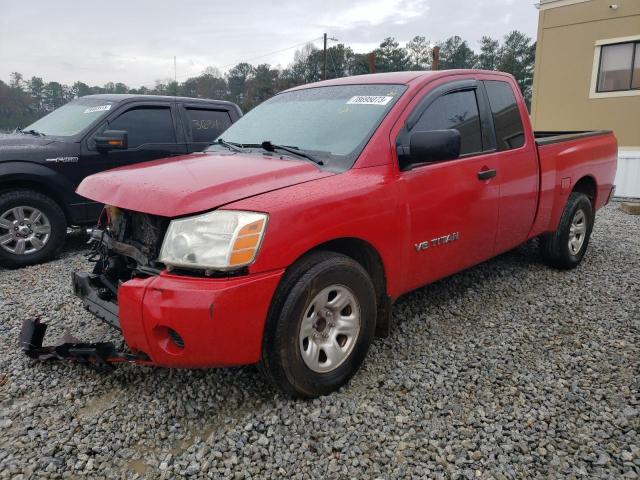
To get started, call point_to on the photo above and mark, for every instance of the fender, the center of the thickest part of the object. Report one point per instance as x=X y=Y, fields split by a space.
x=16 y=174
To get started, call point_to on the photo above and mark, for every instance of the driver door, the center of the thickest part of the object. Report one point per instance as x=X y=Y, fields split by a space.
x=151 y=130
x=454 y=203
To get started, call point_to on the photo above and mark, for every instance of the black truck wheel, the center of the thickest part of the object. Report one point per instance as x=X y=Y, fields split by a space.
x=32 y=228
x=565 y=247
x=320 y=326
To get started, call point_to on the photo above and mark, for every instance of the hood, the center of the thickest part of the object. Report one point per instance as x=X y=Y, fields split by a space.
x=22 y=140
x=178 y=186
x=22 y=147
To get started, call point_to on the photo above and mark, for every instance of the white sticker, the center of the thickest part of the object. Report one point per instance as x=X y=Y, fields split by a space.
x=369 y=100
x=101 y=108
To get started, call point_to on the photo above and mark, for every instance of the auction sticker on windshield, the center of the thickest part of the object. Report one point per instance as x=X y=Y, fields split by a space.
x=101 y=108
x=369 y=100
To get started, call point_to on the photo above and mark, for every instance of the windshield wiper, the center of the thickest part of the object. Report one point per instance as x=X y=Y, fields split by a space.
x=270 y=147
x=32 y=132
x=236 y=147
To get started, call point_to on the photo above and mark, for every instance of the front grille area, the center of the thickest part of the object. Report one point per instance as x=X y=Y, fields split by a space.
x=142 y=231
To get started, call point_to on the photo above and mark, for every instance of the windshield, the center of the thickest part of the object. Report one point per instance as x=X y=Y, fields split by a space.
x=72 y=118
x=333 y=123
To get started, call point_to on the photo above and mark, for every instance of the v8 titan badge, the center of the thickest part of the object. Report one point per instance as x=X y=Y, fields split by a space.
x=452 y=237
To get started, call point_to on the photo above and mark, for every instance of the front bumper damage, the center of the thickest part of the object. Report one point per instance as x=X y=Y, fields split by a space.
x=167 y=320
x=101 y=355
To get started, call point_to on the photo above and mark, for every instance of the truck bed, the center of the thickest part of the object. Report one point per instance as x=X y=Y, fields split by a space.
x=549 y=137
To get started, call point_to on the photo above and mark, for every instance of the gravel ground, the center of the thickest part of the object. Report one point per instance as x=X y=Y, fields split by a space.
x=508 y=370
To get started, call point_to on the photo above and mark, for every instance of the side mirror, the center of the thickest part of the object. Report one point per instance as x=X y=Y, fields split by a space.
x=112 y=140
x=434 y=146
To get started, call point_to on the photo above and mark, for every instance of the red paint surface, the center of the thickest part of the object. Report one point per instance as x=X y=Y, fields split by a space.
x=374 y=202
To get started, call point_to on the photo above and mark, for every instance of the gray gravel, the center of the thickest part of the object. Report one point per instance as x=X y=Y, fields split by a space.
x=508 y=370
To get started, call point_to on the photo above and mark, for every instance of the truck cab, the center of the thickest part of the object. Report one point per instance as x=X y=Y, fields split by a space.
x=42 y=164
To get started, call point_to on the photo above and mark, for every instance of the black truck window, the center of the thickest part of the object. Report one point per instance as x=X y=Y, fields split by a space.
x=506 y=116
x=207 y=125
x=146 y=125
x=458 y=111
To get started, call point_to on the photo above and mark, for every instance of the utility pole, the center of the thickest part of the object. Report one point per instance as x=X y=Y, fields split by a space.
x=175 y=77
x=435 y=65
x=324 y=67
x=372 y=62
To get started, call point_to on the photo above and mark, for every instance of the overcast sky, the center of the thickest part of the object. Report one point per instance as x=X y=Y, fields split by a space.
x=134 y=41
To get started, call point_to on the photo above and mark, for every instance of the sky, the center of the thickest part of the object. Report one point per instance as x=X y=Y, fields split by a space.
x=135 y=41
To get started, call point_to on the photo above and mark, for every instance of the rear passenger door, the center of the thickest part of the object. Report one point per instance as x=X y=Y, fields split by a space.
x=203 y=125
x=517 y=164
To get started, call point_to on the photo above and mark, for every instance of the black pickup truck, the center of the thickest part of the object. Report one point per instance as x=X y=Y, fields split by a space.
x=42 y=164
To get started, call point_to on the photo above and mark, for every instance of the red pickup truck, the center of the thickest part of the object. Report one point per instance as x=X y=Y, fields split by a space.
x=288 y=240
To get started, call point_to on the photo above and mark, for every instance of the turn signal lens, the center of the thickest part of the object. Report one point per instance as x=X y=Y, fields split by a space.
x=246 y=243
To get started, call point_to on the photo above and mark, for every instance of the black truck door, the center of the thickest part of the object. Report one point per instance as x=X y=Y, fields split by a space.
x=152 y=134
x=203 y=124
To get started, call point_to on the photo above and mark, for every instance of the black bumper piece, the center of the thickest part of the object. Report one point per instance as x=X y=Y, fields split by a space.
x=86 y=286
x=100 y=355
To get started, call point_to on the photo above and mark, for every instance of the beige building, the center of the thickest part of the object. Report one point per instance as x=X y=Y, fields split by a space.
x=587 y=75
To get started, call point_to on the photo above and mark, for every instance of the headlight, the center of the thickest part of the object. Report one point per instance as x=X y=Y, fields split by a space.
x=218 y=240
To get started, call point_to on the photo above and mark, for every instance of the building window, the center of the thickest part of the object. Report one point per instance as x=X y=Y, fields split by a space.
x=619 y=67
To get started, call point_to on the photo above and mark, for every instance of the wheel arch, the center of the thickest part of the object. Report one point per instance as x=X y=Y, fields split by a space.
x=36 y=186
x=370 y=259
x=589 y=187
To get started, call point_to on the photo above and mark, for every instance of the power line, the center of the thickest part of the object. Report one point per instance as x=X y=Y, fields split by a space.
x=247 y=60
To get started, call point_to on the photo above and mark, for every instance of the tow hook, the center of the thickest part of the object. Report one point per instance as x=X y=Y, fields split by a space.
x=99 y=355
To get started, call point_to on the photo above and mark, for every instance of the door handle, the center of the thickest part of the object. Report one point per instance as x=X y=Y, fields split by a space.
x=487 y=174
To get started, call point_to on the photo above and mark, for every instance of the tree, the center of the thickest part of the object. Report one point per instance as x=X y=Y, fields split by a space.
x=16 y=80
x=489 y=53
x=390 y=57
x=237 y=82
x=517 y=57
x=419 y=53
x=53 y=96
x=80 y=89
x=262 y=86
x=455 y=53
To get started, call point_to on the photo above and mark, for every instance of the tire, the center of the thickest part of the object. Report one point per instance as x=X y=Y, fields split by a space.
x=578 y=217
x=292 y=356
x=38 y=237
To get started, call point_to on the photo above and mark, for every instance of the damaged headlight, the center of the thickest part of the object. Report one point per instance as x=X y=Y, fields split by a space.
x=218 y=240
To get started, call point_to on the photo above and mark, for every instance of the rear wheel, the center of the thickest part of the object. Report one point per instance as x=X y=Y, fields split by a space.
x=566 y=247
x=32 y=228
x=320 y=326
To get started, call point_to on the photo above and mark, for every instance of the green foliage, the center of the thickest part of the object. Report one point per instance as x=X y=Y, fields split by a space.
x=24 y=101
x=455 y=53
x=517 y=57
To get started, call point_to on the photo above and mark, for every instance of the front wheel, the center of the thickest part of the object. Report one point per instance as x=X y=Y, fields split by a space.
x=321 y=325
x=32 y=228
x=566 y=247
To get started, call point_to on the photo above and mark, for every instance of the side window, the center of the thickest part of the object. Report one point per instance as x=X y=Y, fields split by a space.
x=506 y=116
x=146 y=125
x=206 y=125
x=458 y=111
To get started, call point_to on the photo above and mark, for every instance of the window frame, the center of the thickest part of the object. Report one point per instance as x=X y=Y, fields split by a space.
x=125 y=106
x=188 y=129
x=493 y=125
x=597 y=67
x=487 y=132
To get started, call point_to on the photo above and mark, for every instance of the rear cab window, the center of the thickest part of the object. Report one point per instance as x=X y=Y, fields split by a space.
x=205 y=125
x=506 y=115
